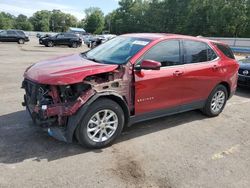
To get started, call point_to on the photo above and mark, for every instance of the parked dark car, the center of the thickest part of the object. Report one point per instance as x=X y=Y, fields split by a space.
x=13 y=36
x=68 y=39
x=88 y=40
x=93 y=41
x=42 y=37
x=244 y=73
x=38 y=35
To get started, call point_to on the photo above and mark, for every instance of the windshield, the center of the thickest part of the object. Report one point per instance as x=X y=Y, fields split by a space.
x=116 y=51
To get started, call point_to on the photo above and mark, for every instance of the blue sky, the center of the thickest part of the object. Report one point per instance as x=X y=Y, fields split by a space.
x=75 y=7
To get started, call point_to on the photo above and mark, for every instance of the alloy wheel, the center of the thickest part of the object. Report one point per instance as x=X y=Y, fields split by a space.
x=74 y=45
x=218 y=101
x=21 y=41
x=102 y=125
x=50 y=44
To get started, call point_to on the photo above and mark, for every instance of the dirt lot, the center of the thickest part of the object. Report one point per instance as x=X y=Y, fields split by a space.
x=185 y=150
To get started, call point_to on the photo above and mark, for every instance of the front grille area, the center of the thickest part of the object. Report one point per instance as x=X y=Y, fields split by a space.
x=241 y=72
x=31 y=90
x=36 y=95
x=244 y=80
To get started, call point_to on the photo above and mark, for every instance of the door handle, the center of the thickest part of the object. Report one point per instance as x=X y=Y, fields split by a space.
x=178 y=73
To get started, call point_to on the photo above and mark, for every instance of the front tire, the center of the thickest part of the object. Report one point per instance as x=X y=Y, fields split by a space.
x=74 y=45
x=20 y=41
x=216 y=101
x=50 y=44
x=101 y=125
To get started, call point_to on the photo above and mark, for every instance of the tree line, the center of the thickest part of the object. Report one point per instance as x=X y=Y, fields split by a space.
x=225 y=18
x=43 y=20
x=228 y=18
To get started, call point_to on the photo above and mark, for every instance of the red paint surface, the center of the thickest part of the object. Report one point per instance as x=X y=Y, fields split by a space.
x=182 y=84
x=154 y=89
x=65 y=70
x=69 y=109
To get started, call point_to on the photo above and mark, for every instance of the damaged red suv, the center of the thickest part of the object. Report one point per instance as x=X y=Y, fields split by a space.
x=90 y=97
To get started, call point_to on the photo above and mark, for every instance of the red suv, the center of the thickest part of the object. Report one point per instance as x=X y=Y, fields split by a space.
x=90 y=97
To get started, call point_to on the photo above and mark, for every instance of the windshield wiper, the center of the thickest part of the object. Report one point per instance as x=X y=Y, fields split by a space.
x=84 y=54
x=93 y=59
x=88 y=58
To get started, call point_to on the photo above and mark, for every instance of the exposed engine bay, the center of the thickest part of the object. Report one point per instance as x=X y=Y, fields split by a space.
x=51 y=105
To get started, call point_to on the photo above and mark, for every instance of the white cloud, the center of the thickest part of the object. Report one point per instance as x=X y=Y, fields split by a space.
x=28 y=7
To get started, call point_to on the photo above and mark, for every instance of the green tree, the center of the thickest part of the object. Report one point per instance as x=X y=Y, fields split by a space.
x=94 y=22
x=247 y=30
x=194 y=17
x=81 y=23
x=217 y=17
x=22 y=22
x=6 y=20
x=41 y=20
x=60 y=22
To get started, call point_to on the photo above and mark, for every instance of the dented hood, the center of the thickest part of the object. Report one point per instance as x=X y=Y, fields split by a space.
x=65 y=70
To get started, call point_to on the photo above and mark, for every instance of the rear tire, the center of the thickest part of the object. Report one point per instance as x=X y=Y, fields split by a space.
x=101 y=125
x=216 y=101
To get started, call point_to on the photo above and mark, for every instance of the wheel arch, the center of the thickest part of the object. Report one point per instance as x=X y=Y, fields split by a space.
x=73 y=121
x=121 y=101
x=228 y=87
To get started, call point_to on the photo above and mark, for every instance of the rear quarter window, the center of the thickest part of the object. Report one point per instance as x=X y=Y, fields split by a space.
x=20 y=33
x=71 y=36
x=197 y=52
x=225 y=50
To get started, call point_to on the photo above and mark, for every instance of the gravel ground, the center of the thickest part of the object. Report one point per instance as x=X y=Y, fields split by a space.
x=185 y=150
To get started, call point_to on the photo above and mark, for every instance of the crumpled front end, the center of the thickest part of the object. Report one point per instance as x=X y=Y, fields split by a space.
x=51 y=106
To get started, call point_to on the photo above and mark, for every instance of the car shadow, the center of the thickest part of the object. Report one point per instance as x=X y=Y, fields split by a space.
x=243 y=92
x=20 y=140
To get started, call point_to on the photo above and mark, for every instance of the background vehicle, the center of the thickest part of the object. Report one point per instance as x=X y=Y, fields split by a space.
x=90 y=97
x=78 y=31
x=89 y=40
x=38 y=35
x=244 y=72
x=42 y=37
x=68 y=39
x=13 y=36
x=93 y=41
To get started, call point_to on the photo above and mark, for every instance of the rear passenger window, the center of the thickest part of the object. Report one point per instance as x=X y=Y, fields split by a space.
x=69 y=35
x=211 y=55
x=167 y=52
x=196 y=52
x=60 y=36
x=20 y=33
x=225 y=50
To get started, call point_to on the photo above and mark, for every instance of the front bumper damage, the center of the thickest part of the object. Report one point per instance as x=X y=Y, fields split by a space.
x=52 y=117
x=58 y=115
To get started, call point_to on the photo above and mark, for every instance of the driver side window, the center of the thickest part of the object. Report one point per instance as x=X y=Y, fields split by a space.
x=166 y=52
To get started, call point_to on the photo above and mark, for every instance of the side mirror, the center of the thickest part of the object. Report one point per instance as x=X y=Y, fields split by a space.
x=149 y=65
